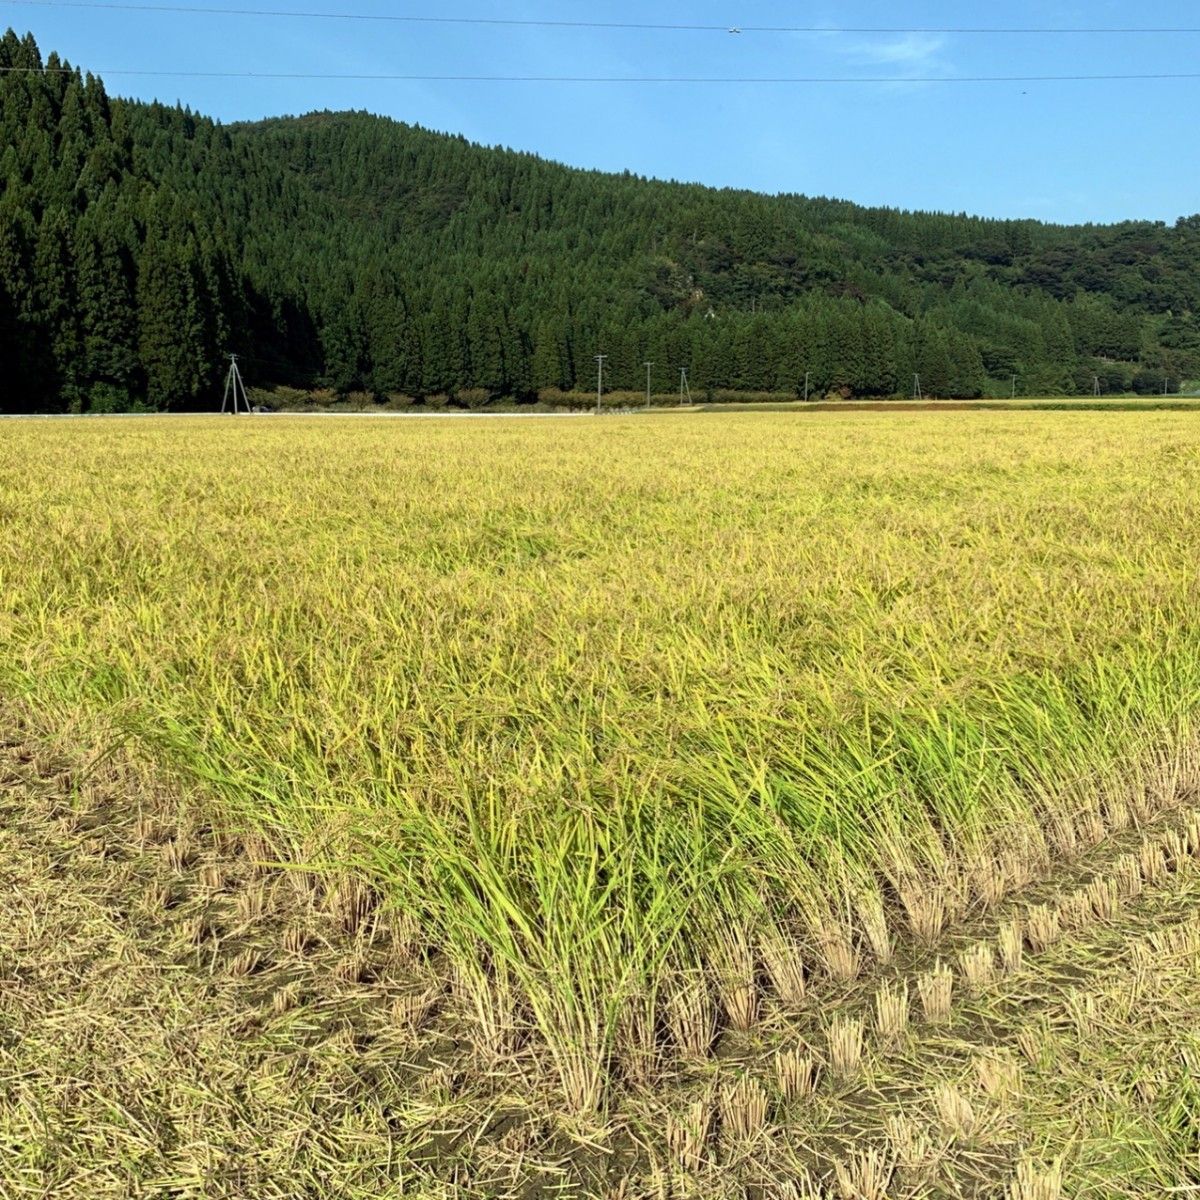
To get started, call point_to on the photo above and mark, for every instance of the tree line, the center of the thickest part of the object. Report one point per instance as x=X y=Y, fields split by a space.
x=139 y=242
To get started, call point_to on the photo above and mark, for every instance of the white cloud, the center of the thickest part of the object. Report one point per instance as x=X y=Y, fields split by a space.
x=903 y=55
x=915 y=52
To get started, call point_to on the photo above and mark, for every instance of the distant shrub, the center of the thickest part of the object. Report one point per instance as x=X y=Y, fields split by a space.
x=728 y=396
x=579 y=400
x=437 y=400
x=622 y=399
x=472 y=397
x=553 y=397
x=399 y=402
x=110 y=398
x=277 y=398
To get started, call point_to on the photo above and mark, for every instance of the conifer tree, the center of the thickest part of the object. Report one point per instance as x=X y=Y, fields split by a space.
x=107 y=310
x=171 y=321
x=58 y=338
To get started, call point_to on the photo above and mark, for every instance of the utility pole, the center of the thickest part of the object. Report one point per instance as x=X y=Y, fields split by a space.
x=233 y=387
x=806 y=378
x=599 y=380
x=648 y=366
x=1014 y=387
x=684 y=390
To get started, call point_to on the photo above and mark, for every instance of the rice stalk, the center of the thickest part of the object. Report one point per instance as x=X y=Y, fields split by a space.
x=743 y=1107
x=866 y=1176
x=796 y=1073
x=891 y=1012
x=845 y=1037
x=936 y=988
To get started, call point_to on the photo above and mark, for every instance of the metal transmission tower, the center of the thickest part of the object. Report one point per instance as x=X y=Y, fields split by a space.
x=684 y=390
x=917 y=393
x=648 y=367
x=234 y=388
x=1095 y=385
x=599 y=380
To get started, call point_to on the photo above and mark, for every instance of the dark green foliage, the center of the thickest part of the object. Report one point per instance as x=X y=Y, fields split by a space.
x=138 y=243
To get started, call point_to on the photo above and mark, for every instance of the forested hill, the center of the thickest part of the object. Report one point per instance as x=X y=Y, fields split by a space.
x=138 y=242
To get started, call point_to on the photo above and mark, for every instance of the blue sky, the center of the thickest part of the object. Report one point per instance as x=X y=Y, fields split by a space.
x=1080 y=151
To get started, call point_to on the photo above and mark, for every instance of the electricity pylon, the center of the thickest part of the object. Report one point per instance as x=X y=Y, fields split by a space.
x=234 y=387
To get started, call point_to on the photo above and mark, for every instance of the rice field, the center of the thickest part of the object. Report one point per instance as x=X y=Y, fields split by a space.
x=745 y=804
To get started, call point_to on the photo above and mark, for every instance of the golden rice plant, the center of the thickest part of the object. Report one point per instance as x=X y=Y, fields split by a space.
x=586 y=700
x=784 y=961
x=688 y=1131
x=955 y=1112
x=875 y=926
x=998 y=1072
x=1043 y=926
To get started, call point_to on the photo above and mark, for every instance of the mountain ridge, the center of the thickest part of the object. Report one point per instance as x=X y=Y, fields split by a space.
x=319 y=115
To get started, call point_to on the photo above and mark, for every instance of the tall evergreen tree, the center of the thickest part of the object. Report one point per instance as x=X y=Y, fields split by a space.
x=107 y=311
x=58 y=339
x=172 y=348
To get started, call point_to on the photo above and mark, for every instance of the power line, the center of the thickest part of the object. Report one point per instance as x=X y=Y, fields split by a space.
x=645 y=26
x=651 y=79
